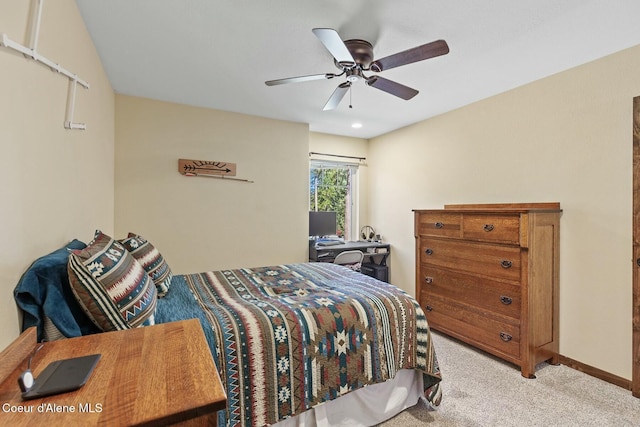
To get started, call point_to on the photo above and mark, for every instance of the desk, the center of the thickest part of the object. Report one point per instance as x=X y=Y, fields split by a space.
x=155 y=375
x=375 y=255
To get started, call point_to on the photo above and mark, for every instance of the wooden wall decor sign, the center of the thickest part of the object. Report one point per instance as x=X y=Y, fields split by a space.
x=206 y=167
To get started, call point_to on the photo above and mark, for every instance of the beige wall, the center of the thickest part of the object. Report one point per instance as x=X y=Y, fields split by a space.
x=200 y=223
x=346 y=146
x=566 y=138
x=55 y=184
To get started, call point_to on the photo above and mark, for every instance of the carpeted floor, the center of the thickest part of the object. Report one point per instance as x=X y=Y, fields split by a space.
x=480 y=390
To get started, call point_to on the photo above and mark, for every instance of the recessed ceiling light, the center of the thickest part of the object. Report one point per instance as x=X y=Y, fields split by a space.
x=356 y=125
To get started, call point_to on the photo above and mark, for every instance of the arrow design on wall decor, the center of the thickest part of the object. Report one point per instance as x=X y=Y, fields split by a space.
x=216 y=168
x=206 y=167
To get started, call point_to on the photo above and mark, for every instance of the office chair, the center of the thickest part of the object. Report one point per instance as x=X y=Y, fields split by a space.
x=351 y=259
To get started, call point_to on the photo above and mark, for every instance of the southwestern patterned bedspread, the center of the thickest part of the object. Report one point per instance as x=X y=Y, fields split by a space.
x=289 y=337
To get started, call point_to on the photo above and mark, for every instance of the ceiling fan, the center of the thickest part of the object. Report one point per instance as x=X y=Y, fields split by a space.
x=354 y=57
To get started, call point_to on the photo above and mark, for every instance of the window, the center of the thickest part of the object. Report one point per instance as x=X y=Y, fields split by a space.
x=332 y=187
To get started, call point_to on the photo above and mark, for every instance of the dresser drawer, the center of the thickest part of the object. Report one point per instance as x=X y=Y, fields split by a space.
x=499 y=228
x=495 y=261
x=446 y=224
x=472 y=326
x=485 y=294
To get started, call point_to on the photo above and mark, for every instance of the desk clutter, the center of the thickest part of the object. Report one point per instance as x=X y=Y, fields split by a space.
x=375 y=255
x=377 y=250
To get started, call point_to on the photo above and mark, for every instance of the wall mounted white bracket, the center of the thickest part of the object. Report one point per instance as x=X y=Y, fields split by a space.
x=30 y=52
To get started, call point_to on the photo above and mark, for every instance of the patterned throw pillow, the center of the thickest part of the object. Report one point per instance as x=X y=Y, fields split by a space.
x=151 y=260
x=111 y=286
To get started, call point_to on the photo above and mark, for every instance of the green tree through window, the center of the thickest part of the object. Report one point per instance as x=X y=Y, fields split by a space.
x=330 y=190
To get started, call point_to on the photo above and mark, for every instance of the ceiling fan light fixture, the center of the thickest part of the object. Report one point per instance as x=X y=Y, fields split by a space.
x=354 y=74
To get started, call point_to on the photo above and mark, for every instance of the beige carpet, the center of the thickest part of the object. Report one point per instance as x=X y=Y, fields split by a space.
x=480 y=390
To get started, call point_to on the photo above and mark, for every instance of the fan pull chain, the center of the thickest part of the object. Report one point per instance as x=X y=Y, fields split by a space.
x=350 y=90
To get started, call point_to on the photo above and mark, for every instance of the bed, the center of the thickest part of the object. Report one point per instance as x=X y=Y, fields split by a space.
x=295 y=345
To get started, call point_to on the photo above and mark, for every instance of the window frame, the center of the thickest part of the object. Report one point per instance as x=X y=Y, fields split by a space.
x=353 y=189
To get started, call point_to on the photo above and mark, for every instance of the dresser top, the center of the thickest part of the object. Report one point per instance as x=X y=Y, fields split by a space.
x=500 y=207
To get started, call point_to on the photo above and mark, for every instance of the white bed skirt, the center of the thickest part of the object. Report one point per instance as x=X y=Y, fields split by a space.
x=367 y=406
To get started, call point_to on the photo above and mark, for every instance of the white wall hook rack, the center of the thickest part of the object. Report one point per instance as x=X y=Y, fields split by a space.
x=31 y=53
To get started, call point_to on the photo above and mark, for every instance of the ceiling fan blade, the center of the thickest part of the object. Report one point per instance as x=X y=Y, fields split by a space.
x=389 y=86
x=334 y=44
x=419 y=53
x=336 y=96
x=299 y=79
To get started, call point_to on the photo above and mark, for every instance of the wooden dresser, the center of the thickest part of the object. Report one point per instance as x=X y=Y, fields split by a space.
x=488 y=275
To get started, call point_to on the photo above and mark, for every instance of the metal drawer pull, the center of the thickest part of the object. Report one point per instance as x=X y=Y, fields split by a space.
x=439 y=225
x=429 y=251
x=505 y=263
x=488 y=227
x=428 y=308
x=428 y=279
x=506 y=300
x=505 y=337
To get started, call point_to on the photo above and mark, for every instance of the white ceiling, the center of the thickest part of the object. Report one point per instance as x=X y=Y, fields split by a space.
x=219 y=53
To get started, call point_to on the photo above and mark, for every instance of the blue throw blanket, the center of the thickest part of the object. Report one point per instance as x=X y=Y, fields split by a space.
x=44 y=291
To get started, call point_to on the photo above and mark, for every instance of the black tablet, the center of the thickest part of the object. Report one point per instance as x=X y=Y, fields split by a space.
x=62 y=376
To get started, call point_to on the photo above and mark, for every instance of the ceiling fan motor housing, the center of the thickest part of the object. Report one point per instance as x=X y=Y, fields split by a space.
x=362 y=52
